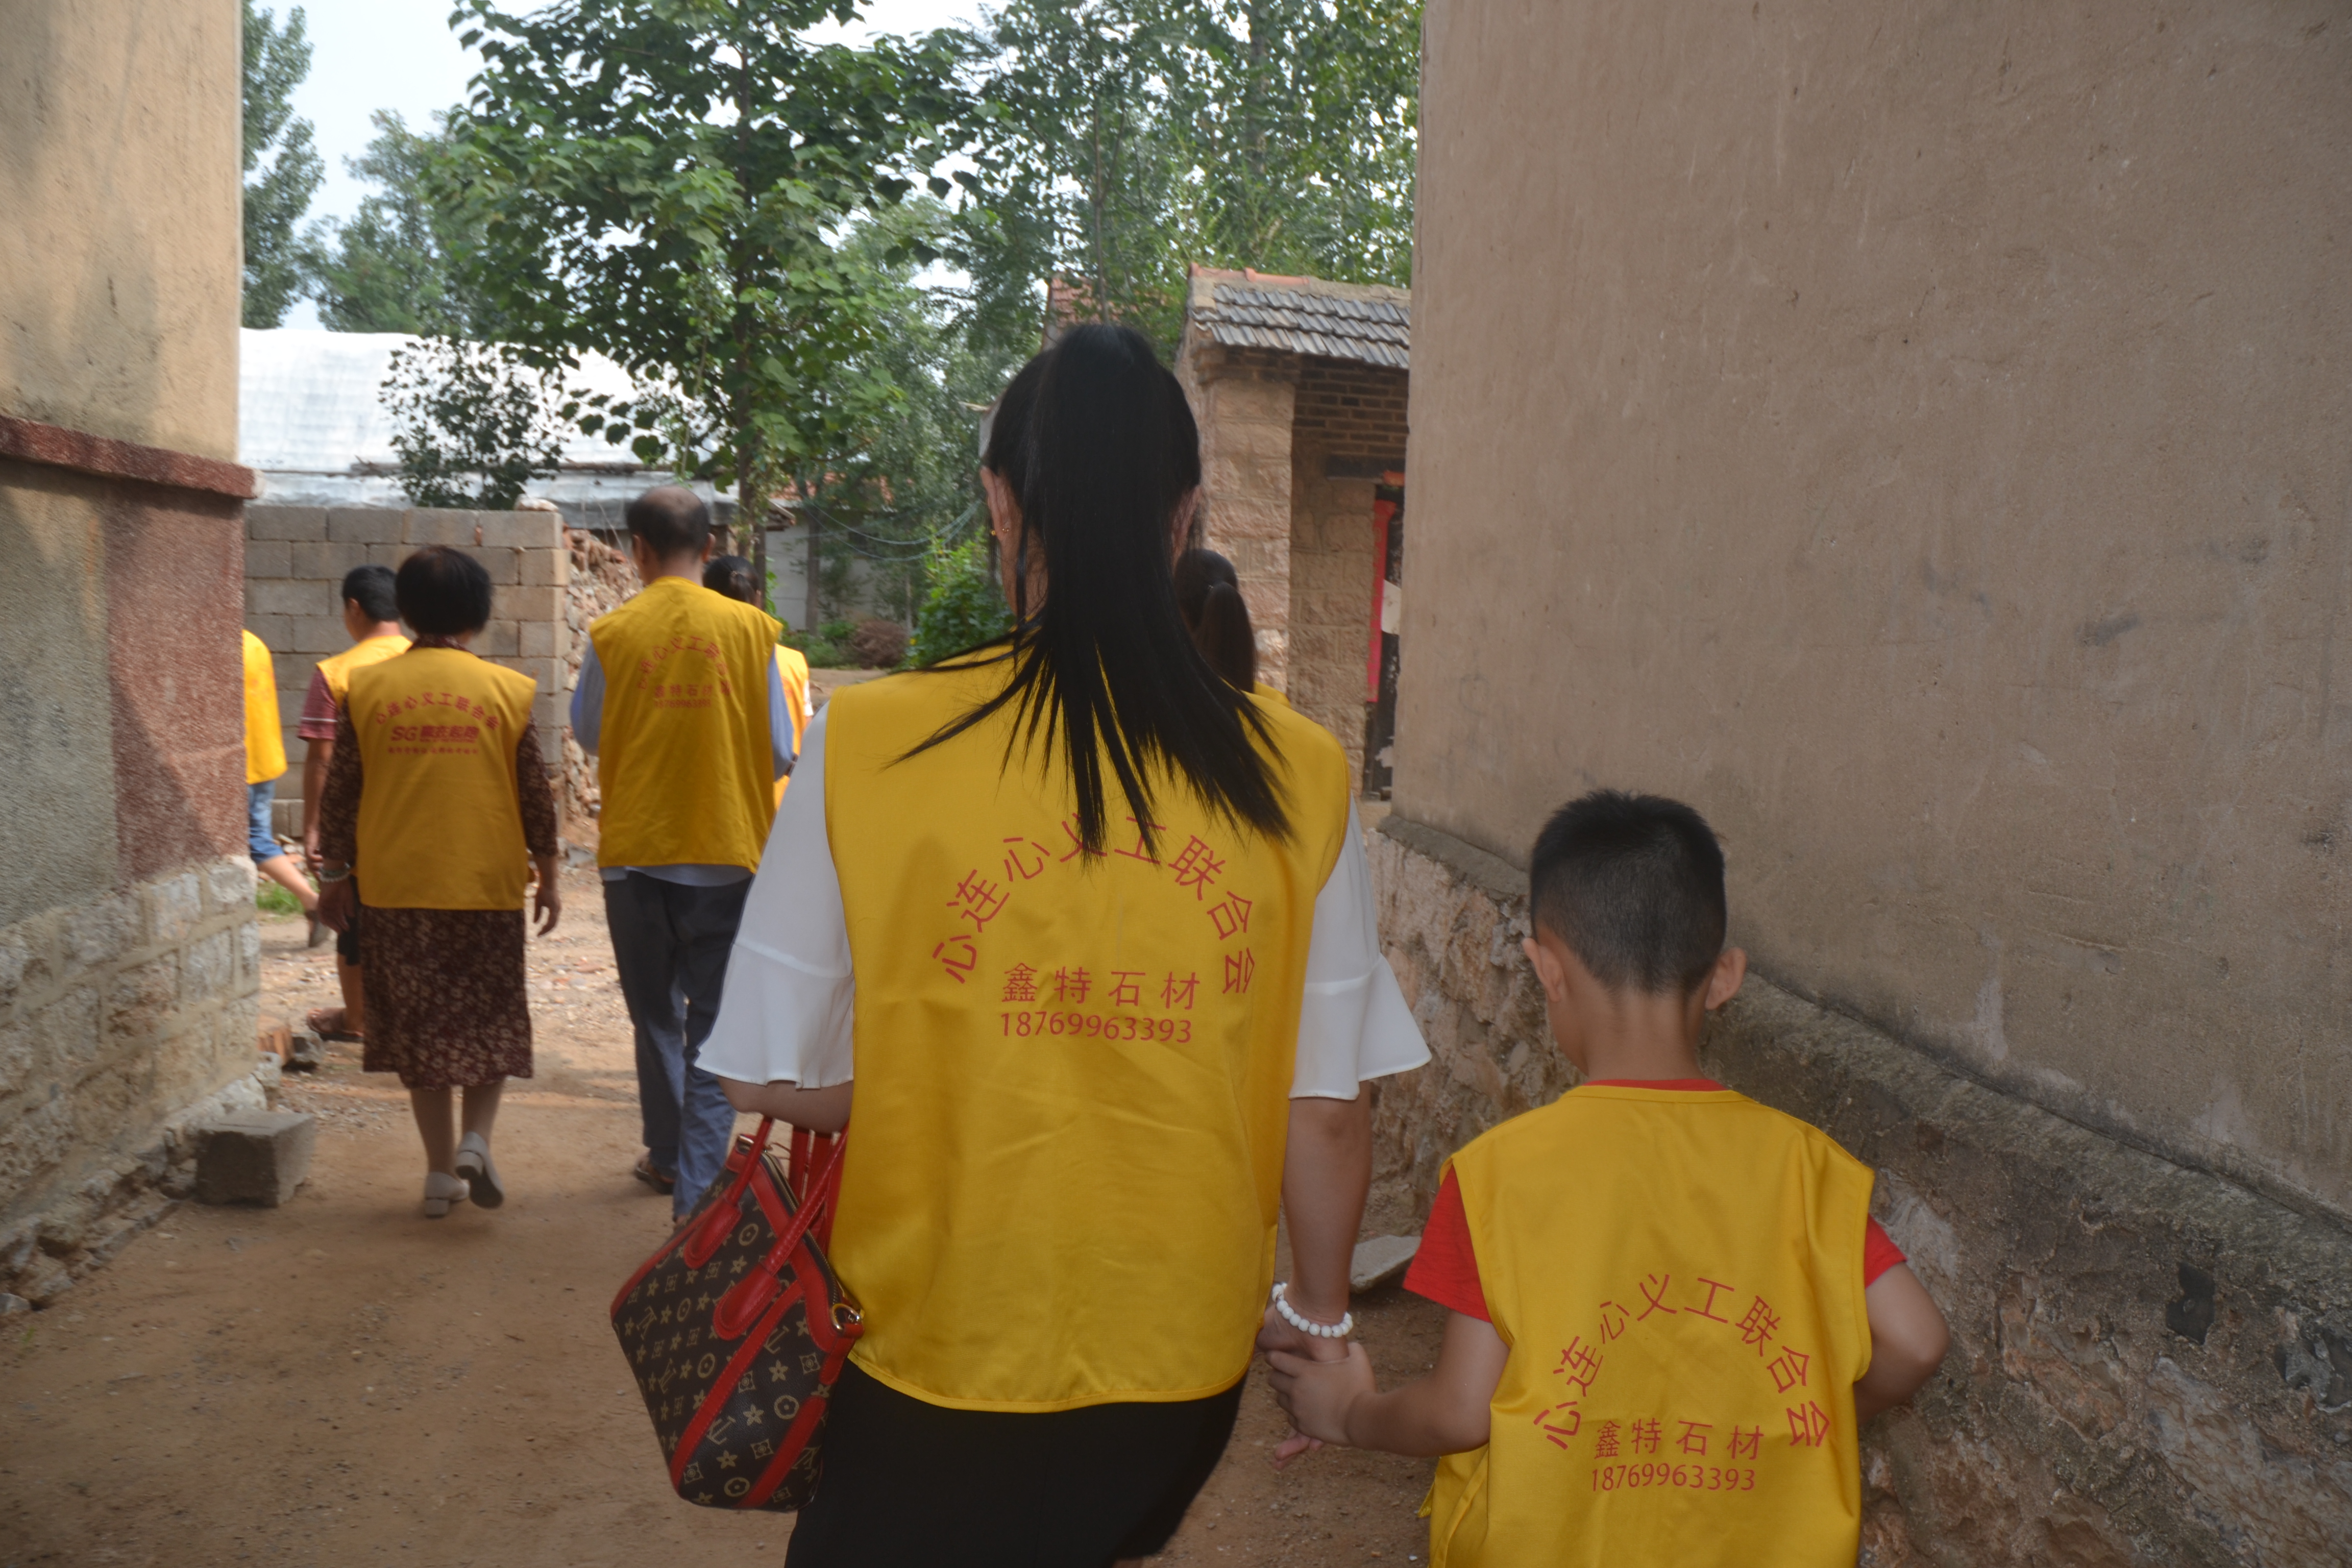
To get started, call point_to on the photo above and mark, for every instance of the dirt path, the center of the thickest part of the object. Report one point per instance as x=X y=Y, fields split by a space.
x=341 y=1382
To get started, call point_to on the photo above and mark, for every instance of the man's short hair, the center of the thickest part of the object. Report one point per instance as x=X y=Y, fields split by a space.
x=370 y=588
x=733 y=576
x=671 y=520
x=1633 y=885
x=443 y=593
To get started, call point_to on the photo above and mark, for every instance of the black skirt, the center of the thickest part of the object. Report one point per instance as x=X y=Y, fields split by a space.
x=919 y=1485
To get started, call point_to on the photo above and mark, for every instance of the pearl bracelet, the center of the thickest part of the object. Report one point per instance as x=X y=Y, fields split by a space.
x=1306 y=1325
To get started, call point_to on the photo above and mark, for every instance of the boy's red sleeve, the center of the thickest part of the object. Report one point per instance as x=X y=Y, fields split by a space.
x=1445 y=1270
x=1879 y=1253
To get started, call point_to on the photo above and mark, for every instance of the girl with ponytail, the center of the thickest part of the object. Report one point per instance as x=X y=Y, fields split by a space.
x=1083 y=926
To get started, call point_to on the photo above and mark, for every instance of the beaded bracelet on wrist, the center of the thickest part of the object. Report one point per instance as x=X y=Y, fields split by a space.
x=1306 y=1325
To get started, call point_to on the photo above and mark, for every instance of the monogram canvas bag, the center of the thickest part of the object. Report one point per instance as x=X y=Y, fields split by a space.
x=736 y=1330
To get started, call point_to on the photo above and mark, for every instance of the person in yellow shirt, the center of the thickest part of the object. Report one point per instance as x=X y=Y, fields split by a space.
x=264 y=759
x=680 y=700
x=1085 y=932
x=438 y=796
x=734 y=576
x=1670 y=1306
x=372 y=618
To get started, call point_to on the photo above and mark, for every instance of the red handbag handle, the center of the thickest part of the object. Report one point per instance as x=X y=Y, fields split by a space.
x=720 y=1218
x=755 y=1292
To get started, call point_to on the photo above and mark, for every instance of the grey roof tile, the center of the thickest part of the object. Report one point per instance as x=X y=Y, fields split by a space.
x=1301 y=320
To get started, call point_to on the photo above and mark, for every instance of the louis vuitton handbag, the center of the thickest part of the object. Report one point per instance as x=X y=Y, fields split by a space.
x=736 y=1330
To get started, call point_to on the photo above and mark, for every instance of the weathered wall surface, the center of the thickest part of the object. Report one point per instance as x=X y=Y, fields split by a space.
x=1916 y=435
x=2150 y=1364
x=1350 y=417
x=119 y=278
x=295 y=561
x=1244 y=400
x=56 y=825
x=127 y=944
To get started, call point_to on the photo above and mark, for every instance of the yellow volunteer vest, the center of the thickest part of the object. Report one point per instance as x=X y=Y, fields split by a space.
x=1073 y=1072
x=684 y=763
x=265 y=745
x=1679 y=1278
x=791 y=667
x=337 y=670
x=440 y=814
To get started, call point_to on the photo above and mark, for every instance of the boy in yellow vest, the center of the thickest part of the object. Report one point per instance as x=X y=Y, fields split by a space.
x=1671 y=1308
x=680 y=699
x=372 y=617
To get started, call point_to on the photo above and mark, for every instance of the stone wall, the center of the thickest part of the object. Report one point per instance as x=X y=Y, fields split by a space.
x=126 y=941
x=295 y=561
x=125 y=1021
x=1348 y=429
x=2150 y=1364
x=1243 y=399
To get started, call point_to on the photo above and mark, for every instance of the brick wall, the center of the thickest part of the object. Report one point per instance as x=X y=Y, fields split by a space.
x=295 y=558
x=1354 y=415
x=1243 y=400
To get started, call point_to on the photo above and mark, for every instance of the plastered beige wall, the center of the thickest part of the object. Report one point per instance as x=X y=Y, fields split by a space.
x=1919 y=436
x=119 y=261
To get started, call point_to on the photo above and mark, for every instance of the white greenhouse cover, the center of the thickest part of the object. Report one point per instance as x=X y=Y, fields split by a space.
x=309 y=403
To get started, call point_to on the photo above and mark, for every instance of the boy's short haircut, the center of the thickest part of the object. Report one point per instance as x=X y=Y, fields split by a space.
x=370 y=588
x=733 y=576
x=443 y=593
x=671 y=520
x=1633 y=885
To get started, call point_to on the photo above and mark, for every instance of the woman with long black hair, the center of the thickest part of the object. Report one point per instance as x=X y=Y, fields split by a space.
x=1086 y=931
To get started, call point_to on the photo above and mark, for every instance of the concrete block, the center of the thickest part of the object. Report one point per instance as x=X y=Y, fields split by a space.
x=543 y=639
x=260 y=1157
x=267 y=558
x=274 y=632
x=504 y=565
x=286 y=597
x=519 y=603
x=285 y=522
x=496 y=640
x=390 y=556
x=522 y=530
x=1380 y=1259
x=363 y=525
x=322 y=566
x=438 y=525
x=546 y=568
x=318 y=635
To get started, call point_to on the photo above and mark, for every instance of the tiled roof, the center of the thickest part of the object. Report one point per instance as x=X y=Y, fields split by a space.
x=1367 y=323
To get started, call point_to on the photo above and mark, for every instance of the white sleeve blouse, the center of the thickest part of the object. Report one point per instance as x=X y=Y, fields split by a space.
x=791 y=991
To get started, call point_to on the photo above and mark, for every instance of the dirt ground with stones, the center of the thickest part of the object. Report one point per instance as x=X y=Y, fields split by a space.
x=340 y=1381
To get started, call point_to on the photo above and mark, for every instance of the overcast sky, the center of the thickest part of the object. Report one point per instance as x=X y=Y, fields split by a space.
x=367 y=55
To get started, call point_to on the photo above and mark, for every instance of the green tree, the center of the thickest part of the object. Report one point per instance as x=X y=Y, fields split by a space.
x=661 y=180
x=282 y=170
x=472 y=423
x=389 y=270
x=1128 y=139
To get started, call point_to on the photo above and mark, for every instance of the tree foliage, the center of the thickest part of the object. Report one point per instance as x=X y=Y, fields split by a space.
x=659 y=179
x=472 y=422
x=282 y=170
x=964 y=606
x=389 y=269
x=1127 y=139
